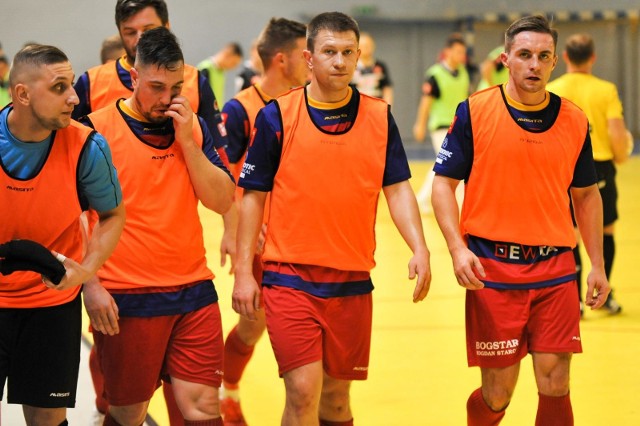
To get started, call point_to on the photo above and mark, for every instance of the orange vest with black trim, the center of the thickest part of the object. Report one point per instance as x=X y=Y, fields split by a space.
x=162 y=241
x=45 y=209
x=518 y=187
x=252 y=103
x=105 y=86
x=325 y=192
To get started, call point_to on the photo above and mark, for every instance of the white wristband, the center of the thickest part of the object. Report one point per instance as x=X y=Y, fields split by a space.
x=61 y=257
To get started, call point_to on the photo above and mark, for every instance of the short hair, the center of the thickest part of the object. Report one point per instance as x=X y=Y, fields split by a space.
x=533 y=23
x=111 y=46
x=235 y=49
x=35 y=56
x=159 y=47
x=125 y=9
x=579 y=48
x=455 y=38
x=332 y=21
x=280 y=34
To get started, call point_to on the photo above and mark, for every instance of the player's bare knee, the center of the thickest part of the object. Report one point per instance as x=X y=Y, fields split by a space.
x=497 y=398
x=36 y=416
x=129 y=415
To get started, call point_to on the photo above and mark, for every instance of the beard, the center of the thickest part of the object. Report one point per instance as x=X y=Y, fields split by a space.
x=52 y=123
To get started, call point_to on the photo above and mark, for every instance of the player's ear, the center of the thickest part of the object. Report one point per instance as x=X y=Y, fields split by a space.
x=134 y=76
x=20 y=94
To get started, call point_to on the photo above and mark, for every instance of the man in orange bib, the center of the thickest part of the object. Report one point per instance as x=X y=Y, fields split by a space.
x=280 y=47
x=169 y=320
x=52 y=168
x=323 y=153
x=520 y=151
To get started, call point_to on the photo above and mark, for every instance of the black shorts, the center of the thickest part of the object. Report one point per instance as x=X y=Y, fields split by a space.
x=606 y=172
x=40 y=354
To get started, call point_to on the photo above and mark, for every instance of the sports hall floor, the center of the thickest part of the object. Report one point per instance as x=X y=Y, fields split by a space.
x=418 y=373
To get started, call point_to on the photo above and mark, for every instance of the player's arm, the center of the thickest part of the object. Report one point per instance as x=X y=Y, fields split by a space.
x=212 y=184
x=619 y=139
x=587 y=208
x=246 y=292
x=257 y=180
x=100 y=189
x=450 y=170
x=406 y=216
x=237 y=141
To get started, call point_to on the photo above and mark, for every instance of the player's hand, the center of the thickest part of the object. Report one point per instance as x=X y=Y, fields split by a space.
x=419 y=266
x=76 y=274
x=467 y=267
x=597 y=289
x=182 y=114
x=101 y=308
x=262 y=237
x=246 y=296
x=228 y=248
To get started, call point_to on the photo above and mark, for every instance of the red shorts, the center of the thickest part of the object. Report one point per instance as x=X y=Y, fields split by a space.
x=188 y=347
x=504 y=325
x=304 y=329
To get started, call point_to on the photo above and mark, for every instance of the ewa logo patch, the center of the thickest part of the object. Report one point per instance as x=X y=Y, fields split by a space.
x=59 y=394
x=501 y=251
x=360 y=368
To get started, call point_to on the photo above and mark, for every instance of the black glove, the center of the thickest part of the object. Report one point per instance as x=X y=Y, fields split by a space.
x=27 y=255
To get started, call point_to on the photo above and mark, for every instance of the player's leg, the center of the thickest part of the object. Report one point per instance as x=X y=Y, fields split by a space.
x=335 y=407
x=486 y=406
x=552 y=377
x=38 y=416
x=554 y=326
x=238 y=350
x=45 y=361
x=606 y=171
x=303 y=387
x=496 y=322
x=132 y=362
x=296 y=338
x=97 y=378
x=194 y=363
x=347 y=340
x=198 y=403
x=126 y=415
x=173 y=411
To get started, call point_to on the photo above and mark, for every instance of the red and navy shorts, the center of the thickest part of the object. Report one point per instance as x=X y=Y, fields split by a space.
x=304 y=329
x=504 y=325
x=188 y=347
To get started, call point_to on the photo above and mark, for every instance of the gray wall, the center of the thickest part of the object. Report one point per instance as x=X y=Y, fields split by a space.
x=409 y=33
